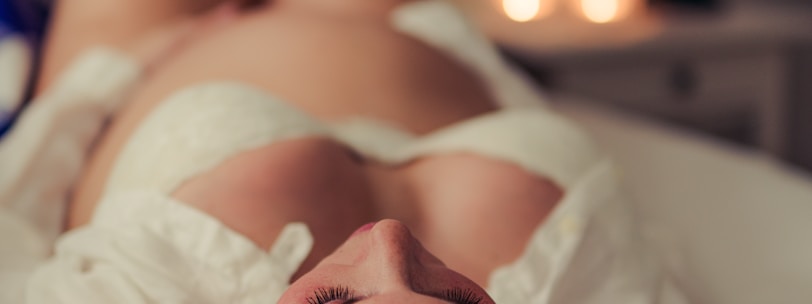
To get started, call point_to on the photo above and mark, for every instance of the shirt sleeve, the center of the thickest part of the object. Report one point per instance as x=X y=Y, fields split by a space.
x=42 y=156
x=145 y=247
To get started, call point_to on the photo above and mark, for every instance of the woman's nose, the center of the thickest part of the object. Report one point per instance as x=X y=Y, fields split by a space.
x=394 y=253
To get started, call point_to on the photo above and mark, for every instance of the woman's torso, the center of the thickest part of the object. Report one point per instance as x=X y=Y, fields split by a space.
x=335 y=67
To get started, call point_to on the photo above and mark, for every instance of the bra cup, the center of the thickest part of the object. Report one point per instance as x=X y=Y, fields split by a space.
x=537 y=140
x=200 y=127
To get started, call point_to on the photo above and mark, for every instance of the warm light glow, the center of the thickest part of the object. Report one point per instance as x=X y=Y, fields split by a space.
x=526 y=10
x=601 y=11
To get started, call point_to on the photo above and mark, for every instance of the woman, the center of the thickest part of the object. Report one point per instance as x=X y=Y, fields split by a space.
x=261 y=135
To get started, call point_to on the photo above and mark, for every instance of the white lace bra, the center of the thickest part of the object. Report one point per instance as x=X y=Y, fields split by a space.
x=200 y=127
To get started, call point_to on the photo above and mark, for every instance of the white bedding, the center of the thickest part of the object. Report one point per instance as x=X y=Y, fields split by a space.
x=731 y=225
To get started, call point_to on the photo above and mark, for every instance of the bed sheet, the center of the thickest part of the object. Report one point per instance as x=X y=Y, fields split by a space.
x=731 y=225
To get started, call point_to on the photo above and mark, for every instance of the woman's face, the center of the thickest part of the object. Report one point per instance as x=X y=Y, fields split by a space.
x=383 y=263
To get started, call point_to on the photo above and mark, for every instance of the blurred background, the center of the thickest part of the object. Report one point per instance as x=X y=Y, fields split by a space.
x=736 y=70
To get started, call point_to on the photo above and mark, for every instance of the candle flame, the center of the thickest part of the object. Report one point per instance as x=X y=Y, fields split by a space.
x=601 y=11
x=521 y=10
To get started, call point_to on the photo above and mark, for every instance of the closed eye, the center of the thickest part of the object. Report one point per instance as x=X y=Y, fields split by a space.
x=343 y=295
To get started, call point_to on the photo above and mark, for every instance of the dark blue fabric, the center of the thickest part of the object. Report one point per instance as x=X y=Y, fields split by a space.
x=5 y=124
x=27 y=19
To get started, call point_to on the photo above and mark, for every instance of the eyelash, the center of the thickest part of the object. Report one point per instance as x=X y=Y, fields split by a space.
x=343 y=293
x=463 y=296
x=327 y=295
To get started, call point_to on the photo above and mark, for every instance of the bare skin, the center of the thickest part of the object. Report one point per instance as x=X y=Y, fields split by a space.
x=462 y=207
x=384 y=263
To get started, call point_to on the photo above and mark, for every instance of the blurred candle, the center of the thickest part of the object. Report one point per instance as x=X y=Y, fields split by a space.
x=605 y=11
x=526 y=10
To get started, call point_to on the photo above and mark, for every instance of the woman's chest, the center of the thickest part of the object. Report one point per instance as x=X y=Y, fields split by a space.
x=330 y=72
x=473 y=212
